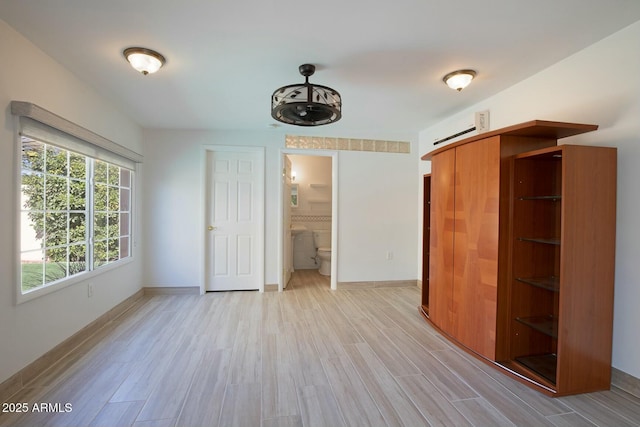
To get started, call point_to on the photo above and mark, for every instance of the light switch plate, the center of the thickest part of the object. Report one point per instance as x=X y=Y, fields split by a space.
x=482 y=121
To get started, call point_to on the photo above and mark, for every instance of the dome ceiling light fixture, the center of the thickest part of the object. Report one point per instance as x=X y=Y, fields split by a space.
x=145 y=60
x=306 y=104
x=460 y=79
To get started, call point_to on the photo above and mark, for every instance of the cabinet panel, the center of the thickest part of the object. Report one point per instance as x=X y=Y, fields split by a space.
x=465 y=187
x=475 y=255
x=588 y=264
x=441 y=239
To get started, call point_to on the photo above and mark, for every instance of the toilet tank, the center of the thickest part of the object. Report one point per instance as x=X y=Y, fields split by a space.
x=322 y=238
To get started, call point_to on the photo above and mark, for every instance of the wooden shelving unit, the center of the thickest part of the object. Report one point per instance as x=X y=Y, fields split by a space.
x=561 y=292
x=520 y=258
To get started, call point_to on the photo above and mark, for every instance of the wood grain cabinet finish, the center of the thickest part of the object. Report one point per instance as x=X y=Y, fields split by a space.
x=465 y=200
x=441 y=240
x=561 y=289
x=489 y=279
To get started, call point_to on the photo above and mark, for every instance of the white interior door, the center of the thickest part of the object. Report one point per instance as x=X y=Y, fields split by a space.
x=235 y=220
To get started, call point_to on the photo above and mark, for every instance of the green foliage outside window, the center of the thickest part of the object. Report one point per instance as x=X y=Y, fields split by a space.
x=56 y=194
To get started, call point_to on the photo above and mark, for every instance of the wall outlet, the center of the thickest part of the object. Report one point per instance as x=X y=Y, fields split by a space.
x=89 y=289
x=482 y=121
x=389 y=255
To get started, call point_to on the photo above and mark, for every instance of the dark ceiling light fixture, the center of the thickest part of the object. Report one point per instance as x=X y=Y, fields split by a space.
x=145 y=60
x=306 y=104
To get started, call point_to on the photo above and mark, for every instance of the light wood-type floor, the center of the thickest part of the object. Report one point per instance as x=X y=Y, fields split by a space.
x=306 y=357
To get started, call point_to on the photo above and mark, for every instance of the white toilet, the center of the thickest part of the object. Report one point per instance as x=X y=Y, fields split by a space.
x=322 y=242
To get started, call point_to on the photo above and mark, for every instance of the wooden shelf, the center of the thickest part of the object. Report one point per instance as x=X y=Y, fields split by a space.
x=544 y=365
x=543 y=240
x=551 y=283
x=554 y=198
x=547 y=325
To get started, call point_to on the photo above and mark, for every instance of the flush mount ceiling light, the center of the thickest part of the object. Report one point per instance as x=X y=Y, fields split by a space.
x=146 y=61
x=460 y=79
x=306 y=104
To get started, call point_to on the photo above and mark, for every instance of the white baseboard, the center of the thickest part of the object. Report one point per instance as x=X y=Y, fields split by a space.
x=377 y=284
x=172 y=290
x=625 y=382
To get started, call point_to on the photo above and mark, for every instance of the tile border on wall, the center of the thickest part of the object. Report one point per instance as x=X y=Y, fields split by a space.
x=346 y=144
x=310 y=218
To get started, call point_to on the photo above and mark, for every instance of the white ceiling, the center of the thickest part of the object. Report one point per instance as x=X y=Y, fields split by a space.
x=386 y=58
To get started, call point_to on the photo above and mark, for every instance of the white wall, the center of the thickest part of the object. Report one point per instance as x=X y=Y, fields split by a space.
x=598 y=85
x=30 y=329
x=377 y=211
x=379 y=208
x=173 y=223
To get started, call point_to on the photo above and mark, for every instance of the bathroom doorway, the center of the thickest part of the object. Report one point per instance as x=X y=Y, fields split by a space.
x=309 y=204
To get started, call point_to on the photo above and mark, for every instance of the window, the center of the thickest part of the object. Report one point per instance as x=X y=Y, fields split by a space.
x=75 y=214
x=76 y=202
x=111 y=213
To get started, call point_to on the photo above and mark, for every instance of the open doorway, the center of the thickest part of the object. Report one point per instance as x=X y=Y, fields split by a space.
x=309 y=215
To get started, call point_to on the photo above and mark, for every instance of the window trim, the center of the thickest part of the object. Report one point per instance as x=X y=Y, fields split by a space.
x=30 y=116
x=61 y=127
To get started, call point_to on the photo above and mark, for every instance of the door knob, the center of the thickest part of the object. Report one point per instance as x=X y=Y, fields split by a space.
x=211 y=228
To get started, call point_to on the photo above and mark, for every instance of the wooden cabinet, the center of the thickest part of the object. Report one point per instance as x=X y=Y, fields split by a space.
x=474 y=296
x=470 y=185
x=464 y=250
x=561 y=290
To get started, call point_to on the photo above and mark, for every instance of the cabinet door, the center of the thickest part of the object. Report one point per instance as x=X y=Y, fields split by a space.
x=441 y=239
x=475 y=255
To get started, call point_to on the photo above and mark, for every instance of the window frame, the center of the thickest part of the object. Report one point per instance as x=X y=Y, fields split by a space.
x=88 y=142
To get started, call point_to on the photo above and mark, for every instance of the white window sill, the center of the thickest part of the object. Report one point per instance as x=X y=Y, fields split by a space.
x=68 y=281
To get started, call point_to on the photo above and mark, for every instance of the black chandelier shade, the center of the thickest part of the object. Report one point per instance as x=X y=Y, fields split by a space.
x=306 y=104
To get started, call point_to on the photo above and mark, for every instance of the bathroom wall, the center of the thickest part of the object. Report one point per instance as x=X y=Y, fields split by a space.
x=313 y=177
